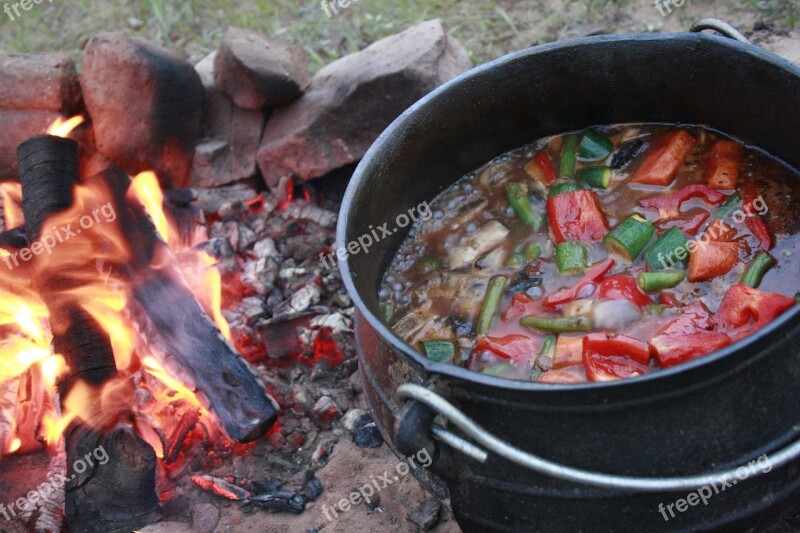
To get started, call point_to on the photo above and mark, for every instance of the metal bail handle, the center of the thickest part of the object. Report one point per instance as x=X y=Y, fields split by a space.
x=720 y=27
x=537 y=464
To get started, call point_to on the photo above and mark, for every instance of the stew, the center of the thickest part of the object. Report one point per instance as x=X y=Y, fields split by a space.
x=599 y=255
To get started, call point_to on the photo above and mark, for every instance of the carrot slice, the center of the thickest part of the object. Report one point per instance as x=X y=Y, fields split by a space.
x=712 y=259
x=569 y=351
x=662 y=164
x=722 y=167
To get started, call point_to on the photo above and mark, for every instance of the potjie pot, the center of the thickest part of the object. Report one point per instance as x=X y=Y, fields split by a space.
x=522 y=456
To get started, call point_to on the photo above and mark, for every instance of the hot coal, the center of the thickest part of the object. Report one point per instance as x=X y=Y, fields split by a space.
x=365 y=432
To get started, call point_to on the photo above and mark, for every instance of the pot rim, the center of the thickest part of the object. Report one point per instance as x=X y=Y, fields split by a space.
x=387 y=335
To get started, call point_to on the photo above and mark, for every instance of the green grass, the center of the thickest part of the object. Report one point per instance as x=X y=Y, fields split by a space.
x=487 y=29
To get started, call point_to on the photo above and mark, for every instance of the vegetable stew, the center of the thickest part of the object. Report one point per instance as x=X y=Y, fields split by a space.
x=599 y=255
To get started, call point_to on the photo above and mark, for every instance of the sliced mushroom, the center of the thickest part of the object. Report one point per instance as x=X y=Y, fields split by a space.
x=487 y=238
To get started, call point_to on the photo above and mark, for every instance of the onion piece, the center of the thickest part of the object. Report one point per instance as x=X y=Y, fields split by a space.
x=614 y=315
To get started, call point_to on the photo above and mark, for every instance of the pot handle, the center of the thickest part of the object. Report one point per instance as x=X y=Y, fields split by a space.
x=537 y=464
x=720 y=27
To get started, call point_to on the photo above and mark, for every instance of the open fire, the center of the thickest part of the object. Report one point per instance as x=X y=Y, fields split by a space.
x=111 y=322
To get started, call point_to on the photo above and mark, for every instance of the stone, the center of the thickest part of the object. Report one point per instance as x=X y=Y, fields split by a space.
x=39 y=81
x=256 y=71
x=351 y=417
x=231 y=136
x=146 y=105
x=205 y=69
x=18 y=125
x=205 y=518
x=352 y=100
x=425 y=515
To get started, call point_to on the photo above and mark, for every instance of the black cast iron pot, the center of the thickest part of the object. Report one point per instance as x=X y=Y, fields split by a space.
x=591 y=457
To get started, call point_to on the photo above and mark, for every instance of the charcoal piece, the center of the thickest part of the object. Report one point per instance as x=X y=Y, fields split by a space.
x=373 y=502
x=365 y=433
x=282 y=501
x=425 y=515
x=264 y=487
x=312 y=487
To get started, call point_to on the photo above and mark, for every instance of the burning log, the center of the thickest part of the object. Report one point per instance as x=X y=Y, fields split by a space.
x=169 y=313
x=109 y=497
x=171 y=316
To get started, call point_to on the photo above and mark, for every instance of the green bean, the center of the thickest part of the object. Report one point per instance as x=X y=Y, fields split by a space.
x=490 y=303
x=521 y=204
x=567 y=324
x=757 y=269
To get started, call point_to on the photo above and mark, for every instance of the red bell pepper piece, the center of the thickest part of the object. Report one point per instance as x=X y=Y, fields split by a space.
x=690 y=226
x=722 y=166
x=622 y=345
x=544 y=162
x=669 y=205
x=718 y=231
x=663 y=162
x=742 y=306
x=623 y=287
x=592 y=275
x=515 y=347
x=669 y=299
x=606 y=358
x=753 y=220
x=687 y=337
x=712 y=259
x=576 y=216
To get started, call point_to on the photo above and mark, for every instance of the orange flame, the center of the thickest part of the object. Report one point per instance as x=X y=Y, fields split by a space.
x=178 y=391
x=62 y=128
x=11 y=194
x=93 y=243
x=146 y=189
